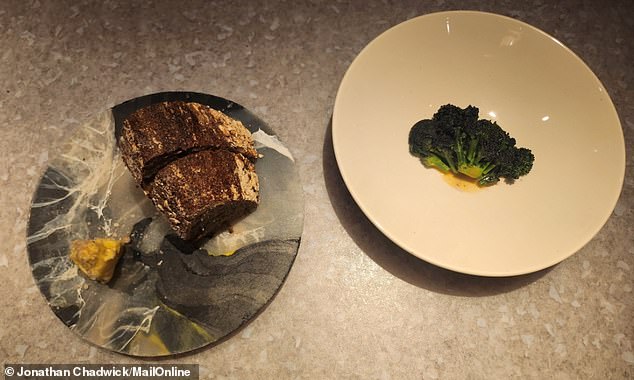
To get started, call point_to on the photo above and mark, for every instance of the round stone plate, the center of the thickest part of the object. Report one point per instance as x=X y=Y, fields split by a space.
x=167 y=296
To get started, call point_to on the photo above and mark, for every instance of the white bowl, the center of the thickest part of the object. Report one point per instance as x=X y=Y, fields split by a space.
x=534 y=87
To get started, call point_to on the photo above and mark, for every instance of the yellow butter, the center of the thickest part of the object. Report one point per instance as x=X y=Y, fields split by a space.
x=96 y=258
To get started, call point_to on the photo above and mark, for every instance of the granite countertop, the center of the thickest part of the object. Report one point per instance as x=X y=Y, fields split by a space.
x=354 y=304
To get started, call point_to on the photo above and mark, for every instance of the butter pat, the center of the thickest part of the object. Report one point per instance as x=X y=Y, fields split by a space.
x=96 y=258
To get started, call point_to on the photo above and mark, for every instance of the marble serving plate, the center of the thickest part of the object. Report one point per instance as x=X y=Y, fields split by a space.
x=167 y=296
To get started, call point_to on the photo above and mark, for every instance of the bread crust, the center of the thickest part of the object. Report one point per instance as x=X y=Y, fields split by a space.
x=155 y=135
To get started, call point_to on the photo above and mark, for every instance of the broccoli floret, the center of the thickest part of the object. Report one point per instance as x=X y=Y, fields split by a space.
x=518 y=162
x=455 y=140
x=433 y=145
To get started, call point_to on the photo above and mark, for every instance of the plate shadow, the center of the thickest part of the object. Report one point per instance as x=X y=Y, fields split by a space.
x=396 y=260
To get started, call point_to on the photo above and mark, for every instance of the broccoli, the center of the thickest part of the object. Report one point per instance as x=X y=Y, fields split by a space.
x=455 y=140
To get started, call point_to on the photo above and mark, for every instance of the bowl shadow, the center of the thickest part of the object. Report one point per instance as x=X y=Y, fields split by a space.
x=396 y=260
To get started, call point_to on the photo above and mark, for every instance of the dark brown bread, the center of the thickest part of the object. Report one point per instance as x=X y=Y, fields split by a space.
x=196 y=164
x=156 y=135
x=205 y=191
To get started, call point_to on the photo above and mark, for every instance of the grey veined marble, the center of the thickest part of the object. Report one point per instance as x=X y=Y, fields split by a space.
x=167 y=296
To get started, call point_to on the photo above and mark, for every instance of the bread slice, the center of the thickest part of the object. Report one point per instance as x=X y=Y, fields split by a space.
x=205 y=191
x=155 y=135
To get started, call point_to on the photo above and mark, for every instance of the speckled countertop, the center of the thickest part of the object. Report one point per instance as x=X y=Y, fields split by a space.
x=354 y=304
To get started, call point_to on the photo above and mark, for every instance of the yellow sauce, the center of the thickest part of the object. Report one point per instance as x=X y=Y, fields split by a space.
x=461 y=182
x=228 y=253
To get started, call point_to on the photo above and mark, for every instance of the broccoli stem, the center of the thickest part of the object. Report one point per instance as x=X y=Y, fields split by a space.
x=435 y=162
x=471 y=155
x=488 y=167
x=448 y=159
x=471 y=171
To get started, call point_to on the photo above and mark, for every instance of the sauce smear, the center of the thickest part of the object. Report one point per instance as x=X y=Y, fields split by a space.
x=461 y=182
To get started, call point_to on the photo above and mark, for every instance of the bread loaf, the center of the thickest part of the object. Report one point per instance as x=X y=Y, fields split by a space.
x=194 y=163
